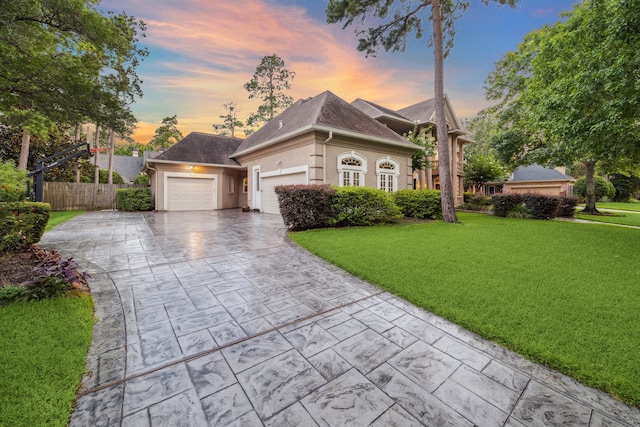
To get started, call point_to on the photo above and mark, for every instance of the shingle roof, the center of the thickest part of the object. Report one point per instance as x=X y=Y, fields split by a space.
x=536 y=172
x=205 y=148
x=127 y=166
x=422 y=111
x=376 y=111
x=325 y=110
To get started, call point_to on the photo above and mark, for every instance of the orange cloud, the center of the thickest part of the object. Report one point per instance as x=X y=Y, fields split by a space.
x=203 y=52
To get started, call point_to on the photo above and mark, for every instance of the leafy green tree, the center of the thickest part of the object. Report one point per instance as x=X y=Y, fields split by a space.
x=603 y=188
x=229 y=120
x=56 y=59
x=482 y=168
x=390 y=31
x=626 y=185
x=167 y=134
x=13 y=182
x=128 y=149
x=570 y=92
x=269 y=82
x=419 y=159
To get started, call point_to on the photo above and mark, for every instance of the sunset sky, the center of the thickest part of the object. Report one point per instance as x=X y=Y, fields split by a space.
x=201 y=52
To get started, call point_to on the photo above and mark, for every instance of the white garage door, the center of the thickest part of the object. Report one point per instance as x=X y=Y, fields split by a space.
x=269 y=197
x=191 y=194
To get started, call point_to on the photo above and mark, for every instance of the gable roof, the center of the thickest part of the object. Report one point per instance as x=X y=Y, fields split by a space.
x=377 y=111
x=202 y=148
x=127 y=166
x=324 y=112
x=535 y=172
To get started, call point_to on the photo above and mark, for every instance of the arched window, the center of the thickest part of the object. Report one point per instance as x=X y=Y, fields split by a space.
x=352 y=167
x=387 y=173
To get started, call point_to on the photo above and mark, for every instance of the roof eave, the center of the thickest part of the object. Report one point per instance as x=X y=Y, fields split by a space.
x=178 y=162
x=272 y=141
x=371 y=138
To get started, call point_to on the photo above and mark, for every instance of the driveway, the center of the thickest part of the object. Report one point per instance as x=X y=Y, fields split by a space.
x=216 y=318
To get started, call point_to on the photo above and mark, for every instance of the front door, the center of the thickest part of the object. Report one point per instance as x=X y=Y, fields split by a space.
x=257 y=188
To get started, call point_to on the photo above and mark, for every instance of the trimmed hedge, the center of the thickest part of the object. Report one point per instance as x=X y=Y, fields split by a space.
x=603 y=188
x=567 y=207
x=13 y=182
x=22 y=224
x=363 y=206
x=306 y=206
x=134 y=199
x=419 y=203
x=541 y=206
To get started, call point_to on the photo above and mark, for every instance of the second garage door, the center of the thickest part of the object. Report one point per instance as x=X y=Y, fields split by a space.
x=191 y=194
x=269 y=197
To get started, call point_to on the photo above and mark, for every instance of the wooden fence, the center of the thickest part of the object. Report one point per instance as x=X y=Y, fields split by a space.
x=67 y=196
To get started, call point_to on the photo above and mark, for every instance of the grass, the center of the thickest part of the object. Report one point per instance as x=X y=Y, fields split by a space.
x=562 y=294
x=614 y=218
x=43 y=346
x=628 y=206
x=58 y=217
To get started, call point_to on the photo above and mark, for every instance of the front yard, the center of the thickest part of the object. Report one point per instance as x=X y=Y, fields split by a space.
x=562 y=294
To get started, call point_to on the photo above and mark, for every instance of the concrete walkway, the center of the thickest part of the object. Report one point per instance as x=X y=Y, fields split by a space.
x=216 y=318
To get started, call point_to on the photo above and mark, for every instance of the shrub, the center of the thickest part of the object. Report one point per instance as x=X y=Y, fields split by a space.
x=419 y=203
x=13 y=183
x=54 y=277
x=626 y=186
x=22 y=224
x=9 y=294
x=567 y=207
x=363 y=206
x=306 y=206
x=141 y=179
x=603 y=188
x=134 y=199
x=103 y=177
x=541 y=206
x=519 y=211
x=466 y=196
x=503 y=203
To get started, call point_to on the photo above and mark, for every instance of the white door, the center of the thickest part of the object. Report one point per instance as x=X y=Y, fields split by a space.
x=256 y=188
x=191 y=194
x=269 y=198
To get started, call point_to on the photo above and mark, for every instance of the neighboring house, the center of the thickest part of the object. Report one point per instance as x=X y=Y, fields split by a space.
x=127 y=166
x=317 y=140
x=197 y=173
x=423 y=115
x=538 y=179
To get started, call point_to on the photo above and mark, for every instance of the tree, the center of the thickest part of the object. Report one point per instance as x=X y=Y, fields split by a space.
x=128 y=149
x=55 y=58
x=229 y=120
x=482 y=168
x=167 y=134
x=570 y=92
x=269 y=82
x=392 y=35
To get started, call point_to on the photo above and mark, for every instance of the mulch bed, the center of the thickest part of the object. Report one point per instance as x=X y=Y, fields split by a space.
x=17 y=267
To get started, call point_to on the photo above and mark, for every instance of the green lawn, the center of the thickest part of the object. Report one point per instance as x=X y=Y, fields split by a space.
x=562 y=294
x=631 y=206
x=58 y=217
x=615 y=218
x=43 y=347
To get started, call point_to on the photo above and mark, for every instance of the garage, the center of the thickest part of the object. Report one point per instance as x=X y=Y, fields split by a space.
x=190 y=194
x=269 y=198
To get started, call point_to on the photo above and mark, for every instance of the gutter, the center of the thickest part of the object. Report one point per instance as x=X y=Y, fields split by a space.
x=331 y=130
x=176 y=162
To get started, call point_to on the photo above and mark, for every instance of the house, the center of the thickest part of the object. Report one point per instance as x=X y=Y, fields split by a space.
x=423 y=115
x=197 y=173
x=539 y=179
x=127 y=166
x=318 y=140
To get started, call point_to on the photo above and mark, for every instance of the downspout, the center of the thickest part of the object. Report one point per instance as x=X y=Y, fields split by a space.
x=324 y=157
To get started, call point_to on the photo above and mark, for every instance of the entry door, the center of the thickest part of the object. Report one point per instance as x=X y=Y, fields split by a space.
x=257 y=188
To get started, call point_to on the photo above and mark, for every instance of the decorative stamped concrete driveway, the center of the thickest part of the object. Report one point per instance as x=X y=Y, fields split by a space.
x=216 y=318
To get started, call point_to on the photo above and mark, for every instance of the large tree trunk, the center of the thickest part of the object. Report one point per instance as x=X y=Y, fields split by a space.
x=591 y=188
x=24 y=150
x=446 y=189
x=111 y=149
